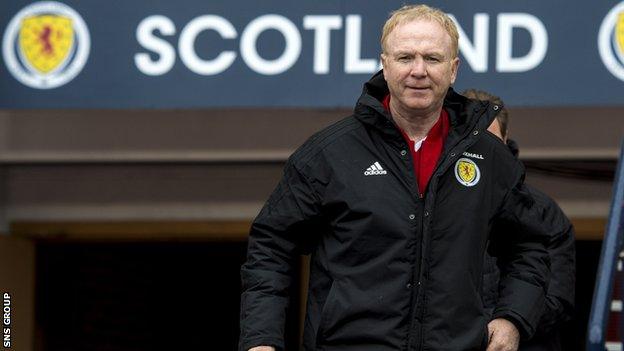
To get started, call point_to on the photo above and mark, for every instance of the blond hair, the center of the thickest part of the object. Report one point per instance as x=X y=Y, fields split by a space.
x=411 y=13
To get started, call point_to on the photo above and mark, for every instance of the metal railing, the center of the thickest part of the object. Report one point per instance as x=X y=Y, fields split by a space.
x=611 y=248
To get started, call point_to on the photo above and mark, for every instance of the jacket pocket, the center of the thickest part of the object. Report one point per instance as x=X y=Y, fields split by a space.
x=328 y=313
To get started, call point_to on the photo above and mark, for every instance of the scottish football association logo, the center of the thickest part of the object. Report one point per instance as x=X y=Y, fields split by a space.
x=467 y=172
x=46 y=45
x=611 y=41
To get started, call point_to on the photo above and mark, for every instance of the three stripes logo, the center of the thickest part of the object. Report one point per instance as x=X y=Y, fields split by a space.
x=375 y=169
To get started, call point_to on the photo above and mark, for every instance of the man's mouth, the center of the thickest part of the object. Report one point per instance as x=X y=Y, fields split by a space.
x=418 y=88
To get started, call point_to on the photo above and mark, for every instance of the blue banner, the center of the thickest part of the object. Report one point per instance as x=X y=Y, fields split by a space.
x=278 y=53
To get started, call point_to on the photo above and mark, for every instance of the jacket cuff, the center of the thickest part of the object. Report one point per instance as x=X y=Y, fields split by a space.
x=524 y=328
x=521 y=303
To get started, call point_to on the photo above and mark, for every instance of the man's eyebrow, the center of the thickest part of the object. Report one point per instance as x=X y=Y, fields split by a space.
x=402 y=52
x=438 y=54
x=435 y=55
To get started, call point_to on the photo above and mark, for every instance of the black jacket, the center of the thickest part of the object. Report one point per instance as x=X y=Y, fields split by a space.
x=389 y=270
x=560 y=293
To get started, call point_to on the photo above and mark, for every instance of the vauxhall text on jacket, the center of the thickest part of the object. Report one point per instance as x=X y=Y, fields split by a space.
x=391 y=270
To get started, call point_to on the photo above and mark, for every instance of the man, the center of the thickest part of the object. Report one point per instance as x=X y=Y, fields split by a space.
x=560 y=294
x=394 y=204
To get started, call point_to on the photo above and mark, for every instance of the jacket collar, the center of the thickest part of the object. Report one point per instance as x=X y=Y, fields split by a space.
x=465 y=114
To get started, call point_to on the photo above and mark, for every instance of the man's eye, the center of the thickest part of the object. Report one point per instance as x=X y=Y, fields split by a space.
x=432 y=59
x=403 y=58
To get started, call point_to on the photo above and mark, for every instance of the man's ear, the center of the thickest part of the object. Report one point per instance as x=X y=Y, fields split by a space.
x=383 y=63
x=454 y=68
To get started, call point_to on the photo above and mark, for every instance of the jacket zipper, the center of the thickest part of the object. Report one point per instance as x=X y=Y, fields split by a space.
x=440 y=169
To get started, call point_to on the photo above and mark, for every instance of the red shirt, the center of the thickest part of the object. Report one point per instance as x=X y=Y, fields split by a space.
x=426 y=158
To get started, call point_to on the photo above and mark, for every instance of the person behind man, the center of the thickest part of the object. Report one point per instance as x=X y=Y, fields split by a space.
x=395 y=204
x=561 y=249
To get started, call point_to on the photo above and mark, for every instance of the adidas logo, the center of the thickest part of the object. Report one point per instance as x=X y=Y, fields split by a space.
x=375 y=169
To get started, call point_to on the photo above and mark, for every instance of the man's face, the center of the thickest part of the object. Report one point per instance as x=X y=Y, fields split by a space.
x=419 y=65
x=495 y=128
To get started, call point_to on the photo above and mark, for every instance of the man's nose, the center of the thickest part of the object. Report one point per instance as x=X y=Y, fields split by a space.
x=419 y=68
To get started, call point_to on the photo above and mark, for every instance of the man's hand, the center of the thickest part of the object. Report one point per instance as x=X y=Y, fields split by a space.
x=503 y=335
x=262 y=348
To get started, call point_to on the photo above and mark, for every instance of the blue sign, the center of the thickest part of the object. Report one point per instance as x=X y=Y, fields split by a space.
x=279 y=53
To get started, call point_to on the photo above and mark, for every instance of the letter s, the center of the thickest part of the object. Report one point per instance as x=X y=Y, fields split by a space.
x=147 y=39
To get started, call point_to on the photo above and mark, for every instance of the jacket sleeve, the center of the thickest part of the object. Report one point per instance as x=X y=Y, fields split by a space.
x=561 y=249
x=491 y=276
x=276 y=239
x=520 y=240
